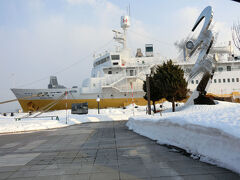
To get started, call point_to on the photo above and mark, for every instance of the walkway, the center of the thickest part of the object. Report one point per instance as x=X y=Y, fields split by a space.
x=101 y=151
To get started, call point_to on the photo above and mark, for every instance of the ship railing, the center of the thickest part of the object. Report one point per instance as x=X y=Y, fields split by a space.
x=122 y=78
x=125 y=88
x=128 y=89
x=109 y=80
x=141 y=62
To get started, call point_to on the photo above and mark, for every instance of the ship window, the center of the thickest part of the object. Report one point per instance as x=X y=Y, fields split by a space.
x=101 y=61
x=149 y=49
x=131 y=72
x=215 y=81
x=219 y=80
x=220 y=69
x=192 y=81
x=73 y=91
x=115 y=63
x=109 y=72
x=237 y=79
x=228 y=80
x=196 y=81
x=233 y=79
x=224 y=80
x=228 y=68
x=115 y=57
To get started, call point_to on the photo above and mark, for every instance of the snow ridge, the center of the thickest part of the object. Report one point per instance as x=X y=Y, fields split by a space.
x=210 y=132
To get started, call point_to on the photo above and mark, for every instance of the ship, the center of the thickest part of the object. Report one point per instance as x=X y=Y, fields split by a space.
x=117 y=78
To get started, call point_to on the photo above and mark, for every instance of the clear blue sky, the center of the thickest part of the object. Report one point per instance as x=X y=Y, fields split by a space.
x=39 y=38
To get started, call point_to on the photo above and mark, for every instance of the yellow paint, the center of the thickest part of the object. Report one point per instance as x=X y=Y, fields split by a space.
x=37 y=105
x=236 y=93
x=224 y=95
x=219 y=95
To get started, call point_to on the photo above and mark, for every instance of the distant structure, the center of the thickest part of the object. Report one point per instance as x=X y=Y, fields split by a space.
x=139 y=53
x=53 y=84
x=236 y=35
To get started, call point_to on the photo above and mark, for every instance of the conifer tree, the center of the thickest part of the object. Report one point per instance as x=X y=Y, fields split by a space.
x=170 y=82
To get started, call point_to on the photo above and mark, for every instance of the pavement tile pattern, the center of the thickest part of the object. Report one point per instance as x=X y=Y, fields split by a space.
x=97 y=151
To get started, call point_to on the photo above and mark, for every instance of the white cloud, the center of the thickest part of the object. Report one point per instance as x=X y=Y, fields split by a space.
x=224 y=31
x=186 y=17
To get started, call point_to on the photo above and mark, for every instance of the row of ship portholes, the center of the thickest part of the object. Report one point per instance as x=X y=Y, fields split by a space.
x=227 y=80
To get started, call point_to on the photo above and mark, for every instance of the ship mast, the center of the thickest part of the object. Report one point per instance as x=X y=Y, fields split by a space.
x=122 y=37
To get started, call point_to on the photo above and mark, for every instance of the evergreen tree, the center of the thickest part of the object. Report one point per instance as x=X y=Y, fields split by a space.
x=170 y=82
x=154 y=93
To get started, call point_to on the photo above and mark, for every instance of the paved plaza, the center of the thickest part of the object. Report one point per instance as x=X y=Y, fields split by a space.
x=97 y=151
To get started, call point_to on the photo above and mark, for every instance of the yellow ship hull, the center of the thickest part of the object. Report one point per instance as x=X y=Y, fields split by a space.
x=37 y=105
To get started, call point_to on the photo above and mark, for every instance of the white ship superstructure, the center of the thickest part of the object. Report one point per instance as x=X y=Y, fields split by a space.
x=117 y=79
x=226 y=79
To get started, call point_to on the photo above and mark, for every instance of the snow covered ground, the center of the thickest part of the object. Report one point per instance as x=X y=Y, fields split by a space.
x=8 y=124
x=211 y=133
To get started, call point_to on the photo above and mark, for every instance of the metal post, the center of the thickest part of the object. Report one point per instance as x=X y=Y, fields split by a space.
x=148 y=94
x=98 y=102
x=132 y=97
x=98 y=108
x=66 y=108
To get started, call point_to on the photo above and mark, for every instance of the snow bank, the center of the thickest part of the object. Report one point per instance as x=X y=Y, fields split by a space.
x=210 y=132
x=9 y=124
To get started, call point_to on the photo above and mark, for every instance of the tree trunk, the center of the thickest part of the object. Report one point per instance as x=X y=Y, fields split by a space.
x=173 y=105
x=154 y=107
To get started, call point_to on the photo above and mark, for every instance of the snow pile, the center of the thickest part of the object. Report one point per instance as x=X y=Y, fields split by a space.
x=210 y=132
x=8 y=124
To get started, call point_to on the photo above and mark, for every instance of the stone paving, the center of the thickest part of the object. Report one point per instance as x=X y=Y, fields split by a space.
x=101 y=151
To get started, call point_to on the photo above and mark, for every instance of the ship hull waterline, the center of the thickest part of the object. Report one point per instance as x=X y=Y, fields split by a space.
x=38 y=104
